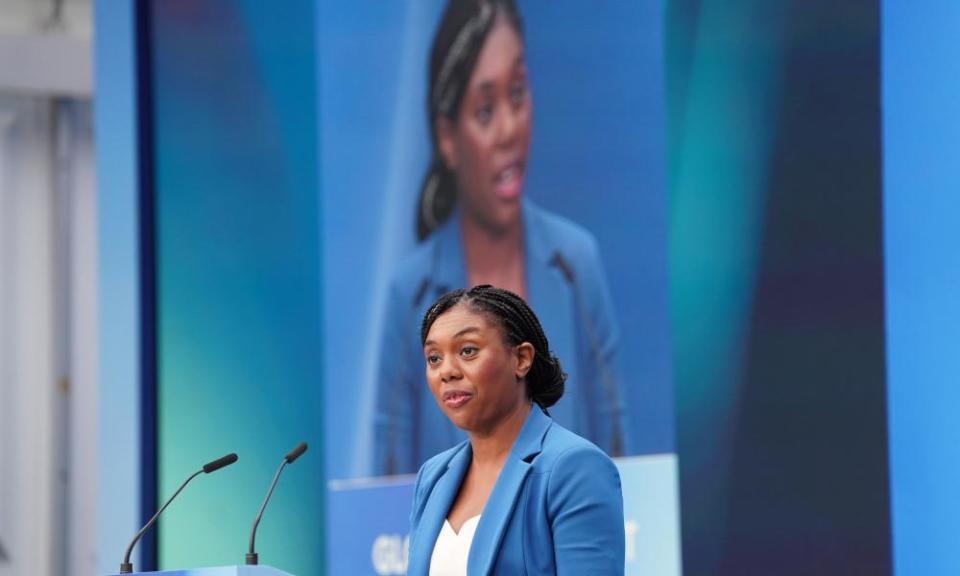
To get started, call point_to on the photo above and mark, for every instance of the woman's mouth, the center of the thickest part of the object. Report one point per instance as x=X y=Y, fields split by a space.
x=508 y=182
x=456 y=398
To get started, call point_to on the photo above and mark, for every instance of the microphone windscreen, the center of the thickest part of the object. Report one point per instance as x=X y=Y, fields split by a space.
x=220 y=463
x=296 y=452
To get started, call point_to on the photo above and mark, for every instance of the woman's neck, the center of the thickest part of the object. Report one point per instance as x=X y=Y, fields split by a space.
x=493 y=256
x=491 y=449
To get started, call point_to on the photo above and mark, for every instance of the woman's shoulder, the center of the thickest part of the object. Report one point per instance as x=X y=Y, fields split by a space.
x=564 y=450
x=412 y=272
x=427 y=256
x=559 y=233
x=577 y=475
x=414 y=263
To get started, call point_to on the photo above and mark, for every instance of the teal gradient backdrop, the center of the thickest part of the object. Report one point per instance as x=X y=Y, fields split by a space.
x=238 y=278
x=776 y=286
x=722 y=104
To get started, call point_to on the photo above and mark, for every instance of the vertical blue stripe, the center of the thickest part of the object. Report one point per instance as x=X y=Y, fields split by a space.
x=147 y=274
x=921 y=117
x=119 y=398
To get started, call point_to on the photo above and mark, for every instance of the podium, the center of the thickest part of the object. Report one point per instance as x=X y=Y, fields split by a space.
x=219 y=571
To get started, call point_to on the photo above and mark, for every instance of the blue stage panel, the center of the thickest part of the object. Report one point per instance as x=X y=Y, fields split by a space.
x=370 y=519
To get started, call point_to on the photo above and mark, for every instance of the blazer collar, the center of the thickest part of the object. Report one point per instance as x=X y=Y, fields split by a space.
x=499 y=508
x=538 y=246
x=529 y=441
x=449 y=266
x=441 y=489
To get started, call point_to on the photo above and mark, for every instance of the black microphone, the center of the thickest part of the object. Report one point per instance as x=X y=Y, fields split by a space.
x=219 y=463
x=126 y=567
x=296 y=452
x=606 y=378
x=288 y=459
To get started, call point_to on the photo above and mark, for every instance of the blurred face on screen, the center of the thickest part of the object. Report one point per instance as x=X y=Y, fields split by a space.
x=487 y=144
x=474 y=375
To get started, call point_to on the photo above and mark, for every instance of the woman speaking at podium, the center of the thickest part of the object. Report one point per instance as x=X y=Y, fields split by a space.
x=522 y=495
x=476 y=226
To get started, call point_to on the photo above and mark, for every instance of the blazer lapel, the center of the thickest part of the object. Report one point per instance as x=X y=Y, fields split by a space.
x=499 y=509
x=439 y=500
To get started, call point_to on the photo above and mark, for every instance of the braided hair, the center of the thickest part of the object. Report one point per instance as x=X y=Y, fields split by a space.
x=545 y=380
x=460 y=36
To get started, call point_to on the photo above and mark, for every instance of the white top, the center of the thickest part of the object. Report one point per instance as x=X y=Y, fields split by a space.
x=451 y=550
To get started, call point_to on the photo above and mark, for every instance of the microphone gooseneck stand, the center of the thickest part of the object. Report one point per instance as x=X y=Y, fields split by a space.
x=126 y=567
x=252 y=558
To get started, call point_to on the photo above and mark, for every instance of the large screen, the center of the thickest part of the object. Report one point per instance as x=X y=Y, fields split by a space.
x=700 y=222
x=594 y=258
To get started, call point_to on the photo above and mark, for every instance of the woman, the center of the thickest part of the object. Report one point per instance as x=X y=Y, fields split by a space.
x=523 y=495
x=476 y=228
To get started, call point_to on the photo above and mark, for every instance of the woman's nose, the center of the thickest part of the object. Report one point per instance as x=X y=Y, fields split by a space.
x=449 y=371
x=507 y=129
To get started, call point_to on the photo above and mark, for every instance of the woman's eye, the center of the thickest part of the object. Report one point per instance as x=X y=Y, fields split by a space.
x=517 y=92
x=433 y=359
x=484 y=114
x=468 y=350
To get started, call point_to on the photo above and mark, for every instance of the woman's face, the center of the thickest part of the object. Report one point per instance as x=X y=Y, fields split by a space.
x=474 y=375
x=487 y=145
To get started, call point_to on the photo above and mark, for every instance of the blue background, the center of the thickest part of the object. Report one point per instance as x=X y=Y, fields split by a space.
x=921 y=140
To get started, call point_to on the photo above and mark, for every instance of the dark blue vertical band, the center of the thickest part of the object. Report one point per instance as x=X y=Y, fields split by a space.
x=147 y=273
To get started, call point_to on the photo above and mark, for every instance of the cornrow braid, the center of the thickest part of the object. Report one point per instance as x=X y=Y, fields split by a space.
x=545 y=380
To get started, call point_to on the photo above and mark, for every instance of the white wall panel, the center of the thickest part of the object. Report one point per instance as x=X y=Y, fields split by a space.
x=29 y=394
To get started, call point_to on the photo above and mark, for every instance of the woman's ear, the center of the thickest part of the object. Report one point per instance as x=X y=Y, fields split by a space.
x=445 y=140
x=525 y=354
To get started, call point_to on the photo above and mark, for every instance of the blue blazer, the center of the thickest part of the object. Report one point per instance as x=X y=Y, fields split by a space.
x=557 y=507
x=566 y=287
